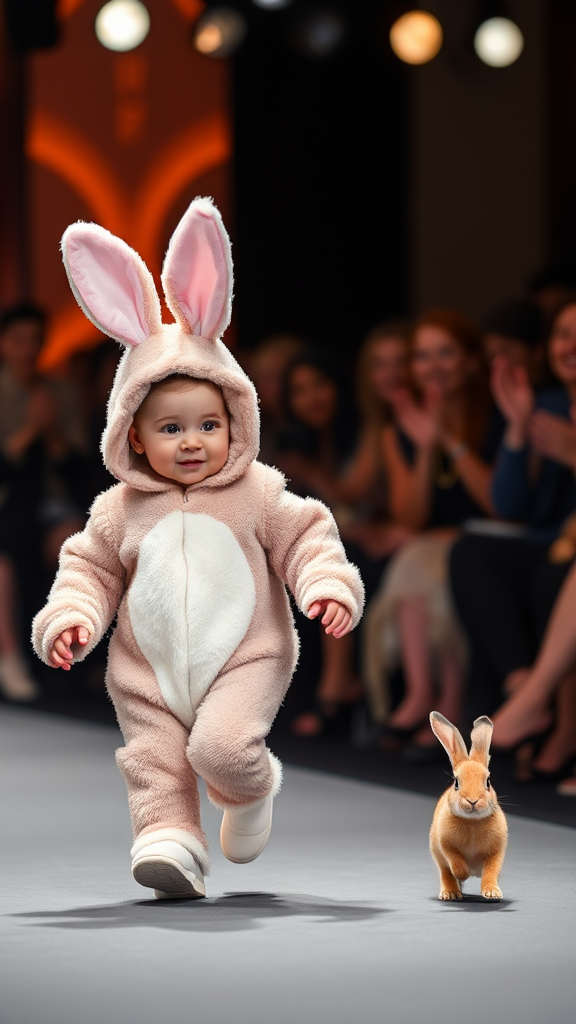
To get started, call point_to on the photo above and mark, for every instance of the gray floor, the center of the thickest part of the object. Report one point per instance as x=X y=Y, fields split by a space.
x=338 y=921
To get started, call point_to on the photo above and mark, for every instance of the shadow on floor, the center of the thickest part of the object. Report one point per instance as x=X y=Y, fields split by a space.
x=229 y=913
x=475 y=904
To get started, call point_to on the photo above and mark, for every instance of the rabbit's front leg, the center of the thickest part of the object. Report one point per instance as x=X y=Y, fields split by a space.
x=490 y=874
x=450 y=888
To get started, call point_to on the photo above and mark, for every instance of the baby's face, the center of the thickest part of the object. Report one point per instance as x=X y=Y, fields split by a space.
x=184 y=433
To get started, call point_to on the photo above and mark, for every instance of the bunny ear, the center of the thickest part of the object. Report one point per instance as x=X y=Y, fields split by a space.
x=111 y=284
x=197 y=273
x=481 y=737
x=449 y=737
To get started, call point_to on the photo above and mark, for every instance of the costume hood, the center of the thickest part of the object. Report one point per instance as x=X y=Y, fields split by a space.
x=116 y=291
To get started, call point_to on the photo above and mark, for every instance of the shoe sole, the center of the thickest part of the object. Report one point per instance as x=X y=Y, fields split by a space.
x=168 y=878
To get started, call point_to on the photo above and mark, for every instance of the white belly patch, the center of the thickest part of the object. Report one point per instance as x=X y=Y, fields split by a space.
x=190 y=604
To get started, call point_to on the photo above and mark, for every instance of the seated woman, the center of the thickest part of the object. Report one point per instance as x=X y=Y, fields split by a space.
x=439 y=456
x=505 y=586
x=41 y=438
x=528 y=711
x=358 y=490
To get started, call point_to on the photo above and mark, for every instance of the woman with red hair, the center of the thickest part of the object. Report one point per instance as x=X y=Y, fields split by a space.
x=439 y=455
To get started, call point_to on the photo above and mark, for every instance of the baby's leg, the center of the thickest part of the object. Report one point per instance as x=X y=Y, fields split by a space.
x=227 y=745
x=162 y=787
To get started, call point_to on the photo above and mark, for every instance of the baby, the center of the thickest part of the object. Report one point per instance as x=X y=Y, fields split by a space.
x=192 y=552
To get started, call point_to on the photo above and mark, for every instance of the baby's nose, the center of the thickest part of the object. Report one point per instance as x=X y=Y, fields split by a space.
x=190 y=441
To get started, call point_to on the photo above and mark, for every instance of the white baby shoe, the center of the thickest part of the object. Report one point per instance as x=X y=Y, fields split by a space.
x=168 y=868
x=245 y=830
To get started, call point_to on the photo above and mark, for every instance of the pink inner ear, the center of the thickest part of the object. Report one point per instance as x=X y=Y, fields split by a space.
x=198 y=274
x=109 y=286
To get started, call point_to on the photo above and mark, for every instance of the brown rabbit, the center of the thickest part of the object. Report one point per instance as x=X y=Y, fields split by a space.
x=469 y=831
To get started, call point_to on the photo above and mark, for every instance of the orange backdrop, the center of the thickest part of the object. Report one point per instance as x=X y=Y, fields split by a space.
x=126 y=140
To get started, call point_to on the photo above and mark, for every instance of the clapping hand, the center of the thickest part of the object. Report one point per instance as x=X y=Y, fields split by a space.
x=419 y=422
x=336 y=618
x=512 y=392
x=555 y=437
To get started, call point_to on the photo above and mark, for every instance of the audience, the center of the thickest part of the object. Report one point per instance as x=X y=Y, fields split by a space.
x=42 y=445
x=454 y=491
x=267 y=366
x=527 y=712
x=505 y=586
x=439 y=455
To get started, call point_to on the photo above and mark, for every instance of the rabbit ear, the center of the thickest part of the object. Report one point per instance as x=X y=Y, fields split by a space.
x=197 y=273
x=481 y=737
x=449 y=737
x=111 y=284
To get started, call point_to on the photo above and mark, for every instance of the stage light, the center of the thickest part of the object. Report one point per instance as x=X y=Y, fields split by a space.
x=122 y=25
x=272 y=5
x=498 y=42
x=416 y=37
x=321 y=33
x=220 y=32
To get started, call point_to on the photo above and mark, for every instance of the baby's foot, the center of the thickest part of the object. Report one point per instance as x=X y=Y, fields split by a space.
x=168 y=868
x=245 y=830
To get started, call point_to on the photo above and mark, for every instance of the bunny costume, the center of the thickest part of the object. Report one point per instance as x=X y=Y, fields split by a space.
x=204 y=645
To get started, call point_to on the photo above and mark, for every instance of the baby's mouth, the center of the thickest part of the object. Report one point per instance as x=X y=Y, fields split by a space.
x=191 y=463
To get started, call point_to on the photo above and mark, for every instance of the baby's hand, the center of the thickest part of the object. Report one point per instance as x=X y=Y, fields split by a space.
x=336 y=618
x=61 y=655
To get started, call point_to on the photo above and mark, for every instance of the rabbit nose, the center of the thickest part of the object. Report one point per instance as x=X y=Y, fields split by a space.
x=472 y=802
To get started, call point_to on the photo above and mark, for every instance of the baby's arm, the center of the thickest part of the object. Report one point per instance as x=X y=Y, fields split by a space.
x=85 y=594
x=305 y=551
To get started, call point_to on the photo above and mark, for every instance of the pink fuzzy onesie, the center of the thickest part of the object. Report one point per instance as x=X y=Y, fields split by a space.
x=204 y=645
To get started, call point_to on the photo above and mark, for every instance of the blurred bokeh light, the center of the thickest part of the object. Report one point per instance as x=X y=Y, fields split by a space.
x=499 y=42
x=220 y=32
x=122 y=25
x=416 y=37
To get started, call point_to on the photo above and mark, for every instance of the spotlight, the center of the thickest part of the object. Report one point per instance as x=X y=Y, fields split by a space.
x=272 y=5
x=122 y=25
x=321 y=33
x=416 y=37
x=498 y=42
x=220 y=32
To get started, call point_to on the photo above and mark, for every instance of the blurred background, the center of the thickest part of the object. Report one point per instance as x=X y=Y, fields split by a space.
x=399 y=186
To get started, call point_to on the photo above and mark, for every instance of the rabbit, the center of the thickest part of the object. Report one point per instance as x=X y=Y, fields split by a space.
x=469 y=831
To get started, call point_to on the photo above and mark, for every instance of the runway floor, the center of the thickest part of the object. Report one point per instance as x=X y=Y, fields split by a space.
x=338 y=921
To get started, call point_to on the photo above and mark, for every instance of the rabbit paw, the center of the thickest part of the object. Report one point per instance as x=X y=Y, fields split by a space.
x=449 y=894
x=493 y=893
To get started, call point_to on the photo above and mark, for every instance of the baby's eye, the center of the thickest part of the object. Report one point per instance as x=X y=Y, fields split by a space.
x=208 y=426
x=170 y=428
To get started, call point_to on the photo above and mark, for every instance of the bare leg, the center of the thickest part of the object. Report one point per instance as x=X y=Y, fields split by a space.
x=15 y=681
x=561 y=744
x=8 y=633
x=338 y=684
x=413 y=629
x=449 y=702
x=527 y=710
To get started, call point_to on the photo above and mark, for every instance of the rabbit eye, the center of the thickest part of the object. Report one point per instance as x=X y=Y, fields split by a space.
x=456 y=784
x=488 y=783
